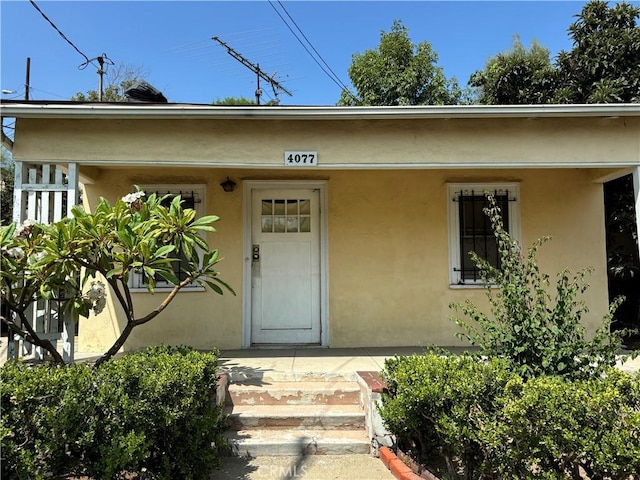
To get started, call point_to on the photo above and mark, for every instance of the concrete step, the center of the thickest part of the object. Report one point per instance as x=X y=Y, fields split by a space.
x=258 y=443
x=265 y=377
x=295 y=393
x=328 y=417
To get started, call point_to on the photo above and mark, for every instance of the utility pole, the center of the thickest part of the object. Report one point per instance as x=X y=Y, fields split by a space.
x=100 y=76
x=255 y=69
x=26 y=82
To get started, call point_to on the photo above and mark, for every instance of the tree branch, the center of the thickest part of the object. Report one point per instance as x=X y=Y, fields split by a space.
x=154 y=313
x=30 y=335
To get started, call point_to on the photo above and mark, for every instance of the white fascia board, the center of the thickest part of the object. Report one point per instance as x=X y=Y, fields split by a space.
x=177 y=111
x=625 y=166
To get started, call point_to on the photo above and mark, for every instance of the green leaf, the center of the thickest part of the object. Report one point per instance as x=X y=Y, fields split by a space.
x=205 y=221
x=6 y=233
x=149 y=272
x=169 y=276
x=210 y=258
x=221 y=282
x=214 y=287
x=164 y=251
x=114 y=272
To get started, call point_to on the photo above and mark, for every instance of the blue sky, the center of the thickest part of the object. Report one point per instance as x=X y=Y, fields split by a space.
x=171 y=42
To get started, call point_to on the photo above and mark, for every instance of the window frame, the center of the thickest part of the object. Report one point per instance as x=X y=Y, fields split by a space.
x=136 y=285
x=455 y=253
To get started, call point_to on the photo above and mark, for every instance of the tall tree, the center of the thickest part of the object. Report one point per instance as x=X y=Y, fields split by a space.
x=398 y=72
x=604 y=64
x=118 y=79
x=518 y=76
x=602 y=67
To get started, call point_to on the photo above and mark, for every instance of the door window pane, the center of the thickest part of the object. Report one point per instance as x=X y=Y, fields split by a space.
x=278 y=224
x=278 y=207
x=292 y=207
x=267 y=224
x=292 y=224
x=286 y=216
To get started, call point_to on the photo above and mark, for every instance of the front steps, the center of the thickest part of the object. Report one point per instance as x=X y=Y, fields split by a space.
x=287 y=416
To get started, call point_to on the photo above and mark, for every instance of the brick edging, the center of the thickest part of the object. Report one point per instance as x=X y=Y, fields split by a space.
x=399 y=469
x=396 y=466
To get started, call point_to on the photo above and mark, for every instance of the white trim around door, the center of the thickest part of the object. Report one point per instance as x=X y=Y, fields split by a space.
x=249 y=188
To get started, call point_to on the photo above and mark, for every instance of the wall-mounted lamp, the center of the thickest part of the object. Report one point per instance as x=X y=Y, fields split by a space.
x=228 y=185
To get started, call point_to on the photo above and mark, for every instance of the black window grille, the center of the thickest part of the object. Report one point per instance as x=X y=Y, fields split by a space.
x=475 y=231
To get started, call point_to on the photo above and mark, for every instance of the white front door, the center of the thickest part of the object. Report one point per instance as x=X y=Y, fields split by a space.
x=285 y=266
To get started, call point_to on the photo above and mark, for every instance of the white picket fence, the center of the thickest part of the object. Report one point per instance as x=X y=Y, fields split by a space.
x=45 y=193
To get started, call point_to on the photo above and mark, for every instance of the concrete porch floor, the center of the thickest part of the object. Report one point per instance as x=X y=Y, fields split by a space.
x=298 y=363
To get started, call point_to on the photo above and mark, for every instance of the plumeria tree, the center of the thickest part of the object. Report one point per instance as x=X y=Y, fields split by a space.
x=73 y=261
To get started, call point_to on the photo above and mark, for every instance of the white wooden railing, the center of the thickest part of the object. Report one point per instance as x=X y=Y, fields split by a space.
x=45 y=193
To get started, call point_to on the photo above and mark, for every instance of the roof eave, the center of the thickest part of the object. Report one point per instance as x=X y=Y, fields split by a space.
x=178 y=111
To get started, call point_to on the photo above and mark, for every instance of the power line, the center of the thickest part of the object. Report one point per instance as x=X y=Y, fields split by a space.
x=60 y=32
x=331 y=74
x=311 y=45
x=102 y=59
x=48 y=93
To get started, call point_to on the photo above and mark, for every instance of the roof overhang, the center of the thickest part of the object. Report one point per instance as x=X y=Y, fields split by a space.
x=71 y=110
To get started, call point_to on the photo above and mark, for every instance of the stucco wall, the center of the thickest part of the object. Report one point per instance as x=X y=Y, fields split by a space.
x=388 y=267
x=444 y=142
x=388 y=251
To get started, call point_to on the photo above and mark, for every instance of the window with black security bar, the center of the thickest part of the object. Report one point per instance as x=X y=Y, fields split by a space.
x=476 y=234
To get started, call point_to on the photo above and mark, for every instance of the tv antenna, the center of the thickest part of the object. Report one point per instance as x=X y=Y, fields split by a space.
x=255 y=69
x=102 y=61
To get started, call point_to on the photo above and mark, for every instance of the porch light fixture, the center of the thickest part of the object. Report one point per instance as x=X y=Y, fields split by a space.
x=228 y=185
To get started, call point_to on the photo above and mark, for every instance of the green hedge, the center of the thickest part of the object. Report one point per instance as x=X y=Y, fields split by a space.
x=472 y=419
x=152 y=413
x=558 y=427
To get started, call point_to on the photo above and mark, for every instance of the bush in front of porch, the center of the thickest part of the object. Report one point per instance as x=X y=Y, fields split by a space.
x=462 y=418
x=151 y=414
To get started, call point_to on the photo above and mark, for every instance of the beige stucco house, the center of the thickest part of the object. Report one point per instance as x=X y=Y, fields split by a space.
x=347 y=226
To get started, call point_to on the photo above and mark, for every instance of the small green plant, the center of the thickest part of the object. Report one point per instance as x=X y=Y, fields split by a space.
x=539 y=332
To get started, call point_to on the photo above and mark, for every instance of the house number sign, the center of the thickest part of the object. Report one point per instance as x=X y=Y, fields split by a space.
x=300 y=159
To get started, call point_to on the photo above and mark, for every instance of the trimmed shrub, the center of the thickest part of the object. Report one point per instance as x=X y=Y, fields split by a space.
x=467 y=418
x=43 y=419
x=151 y=413
x=550 y=427
x=436 y=407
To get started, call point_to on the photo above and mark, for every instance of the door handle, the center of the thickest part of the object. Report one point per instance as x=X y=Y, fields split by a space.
x=255 y=253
